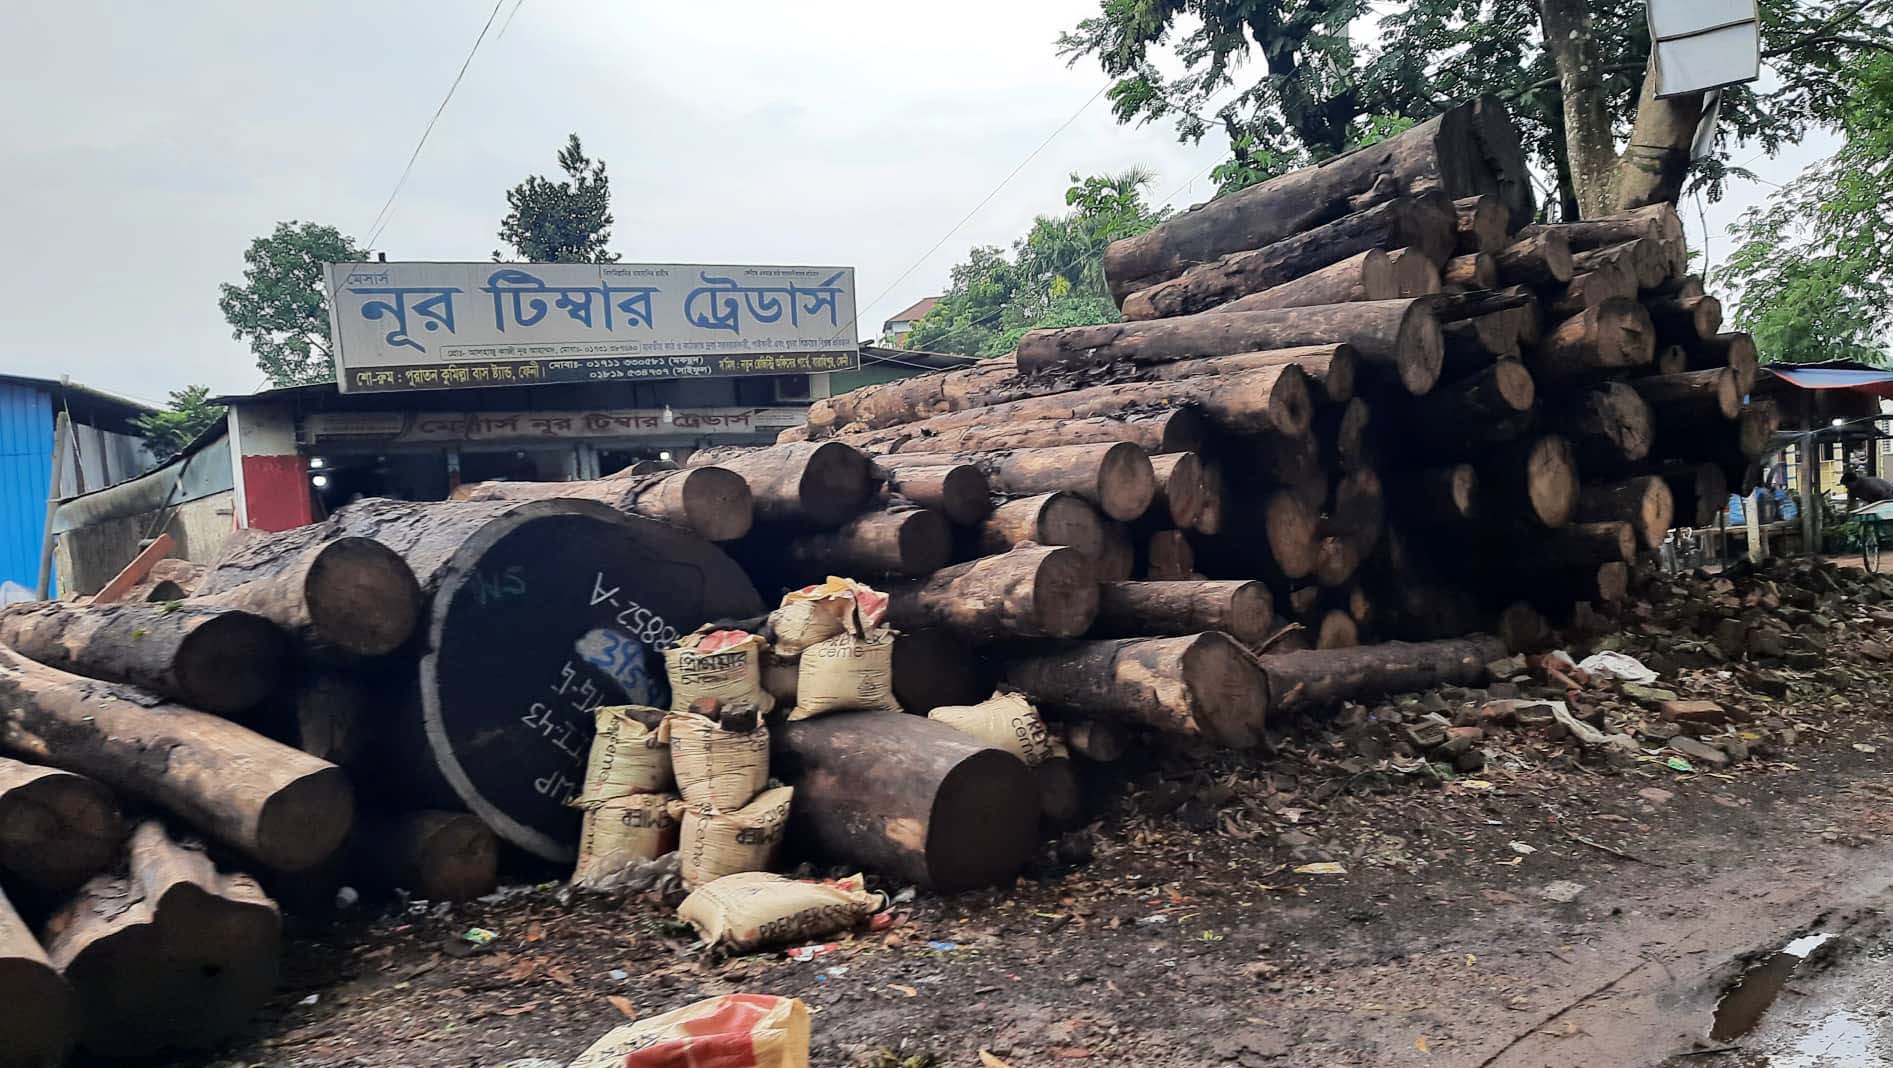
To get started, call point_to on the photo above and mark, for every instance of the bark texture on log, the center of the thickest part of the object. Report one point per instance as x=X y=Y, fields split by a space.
x=436 y=856
x=1685 y=320
x=1180 y=488
x=333 y=592
x=39 y=1016
x=1116 y=477
x=1399 y=337
x=57 y=829
x=1610 y=427
x=1534 y=479
x=177 y=956
x=217 y=659
x=1613 y=280
x=1415 y=273
x=961 y=492
x=1691 y=397
x=908 y=797
x=1033 y=591
x=820 y=484
x=1326 y=676
x=1645 y=503
x=1474 y=270
x=1240 y=609
x=1484 y=224
x=1178 y=429
x=1425 y=223
x=1045 y=519
x=1469 y=150
x=1537 y=259
x=285 y=808
x=1365 y=276
x=1610 y=337
x=904 y=541
x=1204 y=685
x=711 y=502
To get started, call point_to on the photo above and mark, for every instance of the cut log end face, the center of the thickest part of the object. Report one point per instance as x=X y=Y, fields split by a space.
x=978 y=828
x=57 y=831
x=1462 y=485
x=459 y=859
x=1515 y=385
x=717 y=503
x=1065 y=593
x=1066 y=519
x=231 y=663
x=965 y=494
x=39 y=1013
x=1552 y=481
x=287 y=840
x=1126 y=482
x=1229 y=692
x=926 y=540
x=1422 y=348
x=835 y=483
x=361 y=597
x=1290 y=524
x=1183 y=490
x=1613 y=582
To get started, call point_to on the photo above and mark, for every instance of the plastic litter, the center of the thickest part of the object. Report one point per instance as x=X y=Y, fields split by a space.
x=1620 y=666
x=731 y=1031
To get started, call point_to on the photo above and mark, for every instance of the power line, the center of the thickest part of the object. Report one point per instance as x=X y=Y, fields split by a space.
x=510 y=15
x=386 y=215
x=1049 y=138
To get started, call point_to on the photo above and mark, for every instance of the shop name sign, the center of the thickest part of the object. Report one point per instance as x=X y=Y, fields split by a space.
x=400 y=326
x=414 y=428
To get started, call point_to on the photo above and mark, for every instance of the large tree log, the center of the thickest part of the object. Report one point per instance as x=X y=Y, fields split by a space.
x=1203 y=685
x=1685 y=320
x=1645 y=503
x=1692 y=397
x=287 y=809
x=177 y=956
x=57 y=829
x=1735 y=351
x=1670 y=360
x=1178 y=429
x=437 y=856
x=1181 y=490
x=1345 y=434
x=711 y=502
x=1533 y=479
x=39 y=1016
x=908 y=798
x=1612 y=280
x=1437 y=496
x=1242 y=610
x=1033 y=591
x=1501 y=392
x=1658 y=221
x=908 y=399
x=1415 y=273
x=1605 y=339
x=961 y=492
x=1610 y=427
x=1484 y=224
x=1646 y=259
x=351 y=595
x=1332 y=367
x=1474 y=270
x=1537 y=259
x=1167 y=555
x=1045 y=519
x=1327 y=676
x=903 y=541
x=575 y=600
x=1424 y=222
x=334 y=714
x=817 y=484
x=1399 y=337
x=1116 y=477
x=1466 y=151
x=1367 y=275
x=1117 y=560
x=1578 y=545
x=217 y=659
x=1472 y=344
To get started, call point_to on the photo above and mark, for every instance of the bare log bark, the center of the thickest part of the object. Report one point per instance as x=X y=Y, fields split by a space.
x=217 y=659
x=818 y=484
x=1644 y=503
x=57 y=829
x=39 y=1014
x=1033 y=591
x=712 y=502
x=1202 y=685
x=349 y=594
x=1241 y=609
x=1045 y=519
x=961 y=492
x=1605 y=339
x=1691 y=397
x=1330 y=675
x=1367 y=275
x=1539 y=259
x=1484 y=225
x=1610 y=427
x=1474 y=270
x=907 y=541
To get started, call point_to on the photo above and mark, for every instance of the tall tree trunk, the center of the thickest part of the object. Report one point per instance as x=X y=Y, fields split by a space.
x=1571 y=39
x=1657 y=158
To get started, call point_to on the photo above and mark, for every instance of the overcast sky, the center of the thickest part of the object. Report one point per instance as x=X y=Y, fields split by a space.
x=146 y=144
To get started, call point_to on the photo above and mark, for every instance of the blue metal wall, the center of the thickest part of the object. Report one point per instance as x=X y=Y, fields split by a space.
x=26 y=459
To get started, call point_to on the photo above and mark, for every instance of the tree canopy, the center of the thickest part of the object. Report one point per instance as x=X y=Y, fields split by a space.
x=1054 y=276
x=1295 y=81
x=281 y=310
x=561 y=222
x=178 y=423
x=1813 y=266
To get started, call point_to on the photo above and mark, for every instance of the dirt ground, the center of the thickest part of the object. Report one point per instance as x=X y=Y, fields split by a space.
x=1541 y=913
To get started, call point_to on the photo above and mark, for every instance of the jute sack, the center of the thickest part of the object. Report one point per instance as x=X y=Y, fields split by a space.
x=847 y=673
x=729 y=1031
x=621 y=832
x=1004 y=721
x=716 y=769
x=817 y=613
x=753 y=909
x=627 y=757
x=721 y=664
x=715 y=844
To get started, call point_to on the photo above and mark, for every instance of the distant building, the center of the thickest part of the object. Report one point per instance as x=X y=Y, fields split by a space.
x=104 y=447
x=902 y=323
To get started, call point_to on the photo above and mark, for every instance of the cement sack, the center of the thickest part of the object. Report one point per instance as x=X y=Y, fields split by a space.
x=754 y=909
x=716 y=844
x=730 y=1031
x=722 y=664
x=1004 y=721
x=717 y=769
x=847 y=673
x=622 y=833
x=627 y=757
x=817 y=613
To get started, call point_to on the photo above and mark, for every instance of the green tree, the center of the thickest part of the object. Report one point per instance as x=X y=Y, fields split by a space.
x=1054 y=277
x=281 y=310
x=178 y=423
x=561 y=222
x=1298 y=83
x=1813 y=267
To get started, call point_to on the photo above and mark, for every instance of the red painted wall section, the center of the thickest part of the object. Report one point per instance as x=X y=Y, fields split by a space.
x=276 y=492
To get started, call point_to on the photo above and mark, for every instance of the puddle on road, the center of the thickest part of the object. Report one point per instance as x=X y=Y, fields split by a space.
x=1742 y=1007
x=1846 y=1037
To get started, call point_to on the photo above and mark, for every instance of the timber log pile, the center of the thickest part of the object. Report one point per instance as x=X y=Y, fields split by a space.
x=1361 y=406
